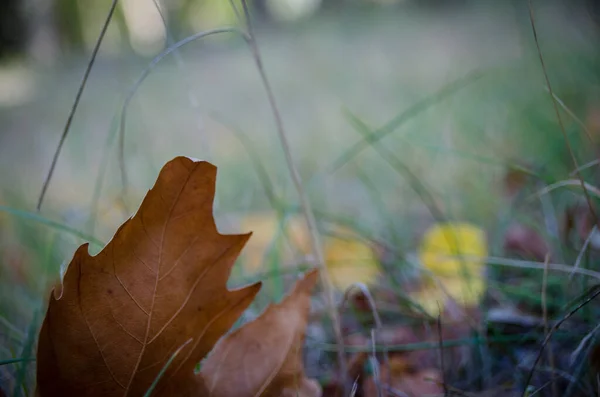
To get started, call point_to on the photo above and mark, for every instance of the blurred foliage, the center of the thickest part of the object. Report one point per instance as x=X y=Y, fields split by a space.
x=382 y=65
x=68 y=25
x=12 y=32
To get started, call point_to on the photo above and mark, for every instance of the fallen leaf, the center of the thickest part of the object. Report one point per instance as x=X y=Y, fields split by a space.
x=419 y=359
x=356 y=363
x=404 y=380
x=350 y=260
x=267 y=228
x=515 y=179
x=457 y=291
x=453 y=249
x=525 y=241
x=264 y=357
x=158 y=284
x=455 y=254
x=579 y=220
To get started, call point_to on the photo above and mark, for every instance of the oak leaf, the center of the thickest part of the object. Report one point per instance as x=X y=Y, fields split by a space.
x=158 y=287
x=264 y=358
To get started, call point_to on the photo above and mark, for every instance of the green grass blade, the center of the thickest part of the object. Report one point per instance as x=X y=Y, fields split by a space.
x=145 y=73
x=21 y=377
x=259 y=168
x=165 y=367
x=13 y=331
x=31 y=216
x=398 y=166
x=405 y=116
x=16 y=360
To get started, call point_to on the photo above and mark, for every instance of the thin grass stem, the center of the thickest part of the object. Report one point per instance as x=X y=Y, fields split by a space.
x=82 y=85
x=304 y=202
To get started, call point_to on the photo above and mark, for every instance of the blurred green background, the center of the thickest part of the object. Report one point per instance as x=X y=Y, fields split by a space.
x=457 y=84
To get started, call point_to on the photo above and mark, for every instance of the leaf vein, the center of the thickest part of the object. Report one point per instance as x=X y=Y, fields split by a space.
x=143 y=262
x=179 y=258
x=160 y=248
x=130 y=294
x=92 y=332
x=189 y=294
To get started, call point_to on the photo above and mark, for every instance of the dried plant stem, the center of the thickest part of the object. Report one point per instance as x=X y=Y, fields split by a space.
x=441 y=347
x=304 y=203
x=82 y=85
x=549 y=334
x=375 y=364
x=573 y=116
x=559 y=119
x=583 y=251
x=546 y=327
x=375 y=332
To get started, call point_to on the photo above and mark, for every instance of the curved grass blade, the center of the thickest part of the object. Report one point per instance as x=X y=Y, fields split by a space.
x=165 y=367
x=569 y=182
x=551 y=332
x=171 y=49
x=31 y=216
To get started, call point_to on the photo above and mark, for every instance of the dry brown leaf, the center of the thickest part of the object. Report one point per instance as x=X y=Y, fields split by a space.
x=160 y=282
x=525 y=241
x=579 y=220
x=264 y=358
x=405 y=381
x=516 y=178
x=356 y=364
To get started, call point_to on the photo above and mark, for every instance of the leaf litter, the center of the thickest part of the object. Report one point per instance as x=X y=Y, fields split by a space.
x=137 y=318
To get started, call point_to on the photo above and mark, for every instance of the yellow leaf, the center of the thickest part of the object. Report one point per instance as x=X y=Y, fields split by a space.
x=266 y=228
x=466 y=293
x=350 y=260
x=453 y=249
x=455 y=253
